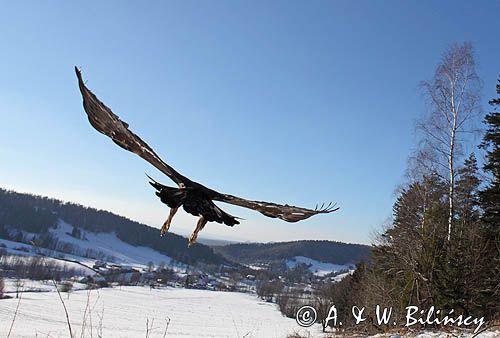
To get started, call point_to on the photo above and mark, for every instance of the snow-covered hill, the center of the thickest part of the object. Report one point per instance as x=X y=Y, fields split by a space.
x=25 y=214
x=318 y=268
x=338 y=254
x=110 y=246
x=89 y=248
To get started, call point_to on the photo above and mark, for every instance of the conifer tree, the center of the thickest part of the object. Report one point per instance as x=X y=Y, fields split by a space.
x=490 y=203
x=459 y=274
x=490 y=197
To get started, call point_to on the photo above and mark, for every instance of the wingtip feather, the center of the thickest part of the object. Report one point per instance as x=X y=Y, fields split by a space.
x=78 y=74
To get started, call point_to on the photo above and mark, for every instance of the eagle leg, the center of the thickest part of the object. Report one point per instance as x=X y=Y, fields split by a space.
x=199 y=226
x=166 y=225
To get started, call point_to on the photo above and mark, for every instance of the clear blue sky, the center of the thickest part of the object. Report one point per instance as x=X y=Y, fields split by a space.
x=288 y=101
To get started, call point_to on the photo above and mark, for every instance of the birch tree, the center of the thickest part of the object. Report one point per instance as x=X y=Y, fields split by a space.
x=453 y=96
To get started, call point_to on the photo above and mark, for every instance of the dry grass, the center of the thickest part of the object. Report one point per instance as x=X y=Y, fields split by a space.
x=15 y=313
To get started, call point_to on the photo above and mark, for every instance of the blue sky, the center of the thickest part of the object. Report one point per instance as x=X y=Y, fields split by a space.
x=287 y=101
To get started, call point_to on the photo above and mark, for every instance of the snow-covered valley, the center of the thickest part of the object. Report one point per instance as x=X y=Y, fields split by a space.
x=125 y=312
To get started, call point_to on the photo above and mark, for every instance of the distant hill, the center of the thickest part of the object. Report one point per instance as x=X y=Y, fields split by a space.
x=321 y=251
x=214 y=242
x=22 y=214
x=73 y=228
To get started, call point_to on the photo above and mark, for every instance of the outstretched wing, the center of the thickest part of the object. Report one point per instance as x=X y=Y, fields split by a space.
x=106 y=122
x=285 y=212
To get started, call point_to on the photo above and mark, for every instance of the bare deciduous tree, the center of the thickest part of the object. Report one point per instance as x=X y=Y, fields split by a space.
x=453 y=94
x=19 y=285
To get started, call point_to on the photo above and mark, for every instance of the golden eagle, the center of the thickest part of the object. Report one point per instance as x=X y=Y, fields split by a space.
x=195 y=198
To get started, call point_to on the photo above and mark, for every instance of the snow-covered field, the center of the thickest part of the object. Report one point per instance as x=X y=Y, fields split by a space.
x=28 y=285
x=318 y=268
x=125 y=312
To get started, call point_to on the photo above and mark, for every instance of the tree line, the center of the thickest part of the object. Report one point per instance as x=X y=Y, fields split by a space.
x=320 y=250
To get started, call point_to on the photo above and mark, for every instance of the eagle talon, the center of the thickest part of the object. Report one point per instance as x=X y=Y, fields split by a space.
x=164 y=229
x=166 y=225
x=199 y=226
x=192 y=239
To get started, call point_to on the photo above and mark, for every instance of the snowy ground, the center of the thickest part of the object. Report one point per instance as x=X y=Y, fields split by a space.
x=316 y=267
x=28 y=285
x=341 y=276
x=125 y=312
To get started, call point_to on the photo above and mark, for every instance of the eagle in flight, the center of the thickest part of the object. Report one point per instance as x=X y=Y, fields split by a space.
x=195 y=198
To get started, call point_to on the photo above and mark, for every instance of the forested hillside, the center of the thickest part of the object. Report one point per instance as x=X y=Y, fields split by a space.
x=323 y=251
x=36 y=214
x=442 y=249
